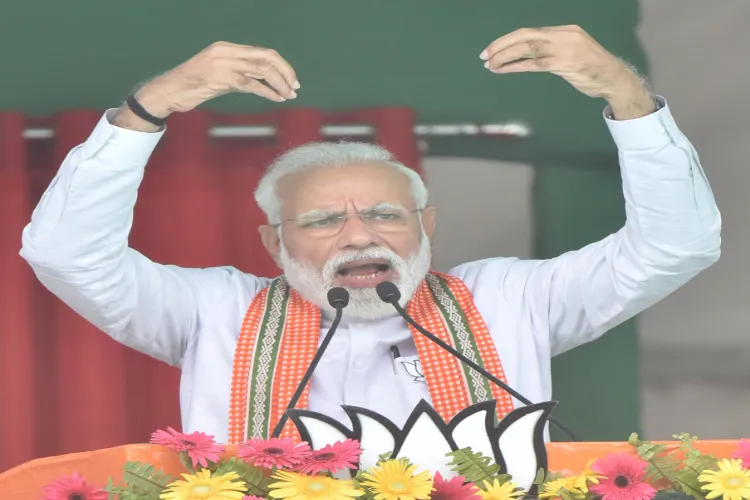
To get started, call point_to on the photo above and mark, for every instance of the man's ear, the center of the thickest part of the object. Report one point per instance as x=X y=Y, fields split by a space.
x=269 y=235
x=428 y=221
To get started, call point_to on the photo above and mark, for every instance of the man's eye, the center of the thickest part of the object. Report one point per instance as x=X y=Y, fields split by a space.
x=328 y=221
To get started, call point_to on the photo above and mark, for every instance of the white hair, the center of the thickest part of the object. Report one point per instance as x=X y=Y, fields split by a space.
x=324 y=154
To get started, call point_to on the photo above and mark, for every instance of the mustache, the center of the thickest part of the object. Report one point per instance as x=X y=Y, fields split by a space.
x=342 y=259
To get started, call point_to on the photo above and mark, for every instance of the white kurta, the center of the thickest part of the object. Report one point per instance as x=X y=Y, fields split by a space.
x=77 y=244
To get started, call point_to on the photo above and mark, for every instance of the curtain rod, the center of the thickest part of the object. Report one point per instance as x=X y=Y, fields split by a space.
x=517 y=130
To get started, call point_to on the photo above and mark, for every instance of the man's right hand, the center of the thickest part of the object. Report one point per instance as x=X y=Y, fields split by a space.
x=219 y=69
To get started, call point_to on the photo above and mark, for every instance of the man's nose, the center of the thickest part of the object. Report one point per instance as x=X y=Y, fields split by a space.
x=356 y=233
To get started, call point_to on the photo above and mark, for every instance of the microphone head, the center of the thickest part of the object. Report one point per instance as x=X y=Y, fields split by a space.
x=388 y=292
x=338 y=297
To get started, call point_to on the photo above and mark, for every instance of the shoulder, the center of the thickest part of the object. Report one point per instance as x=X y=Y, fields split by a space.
x=225 y=285
x=507 y=281
x=502 y=272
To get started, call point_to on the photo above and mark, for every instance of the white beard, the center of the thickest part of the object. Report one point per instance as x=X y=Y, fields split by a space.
x=364 y=303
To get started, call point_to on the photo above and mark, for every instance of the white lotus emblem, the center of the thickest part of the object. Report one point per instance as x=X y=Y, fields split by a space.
x=516 y=442
x=414 y=369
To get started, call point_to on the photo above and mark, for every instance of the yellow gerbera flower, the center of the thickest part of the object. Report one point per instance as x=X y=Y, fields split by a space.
x=581 y=481
x=395 y=480
x=731 y=481
x=295 y=486
x=552 y=489
x=497 y=491
x=201 y=486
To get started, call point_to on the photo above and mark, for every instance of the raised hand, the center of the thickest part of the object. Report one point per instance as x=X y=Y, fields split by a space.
x=571 y=53
x=219 y=69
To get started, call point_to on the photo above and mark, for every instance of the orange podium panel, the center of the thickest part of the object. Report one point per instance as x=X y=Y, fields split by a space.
x=26 y=481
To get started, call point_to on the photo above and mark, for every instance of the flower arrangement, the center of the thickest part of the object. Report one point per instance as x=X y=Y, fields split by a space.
x=280 y=469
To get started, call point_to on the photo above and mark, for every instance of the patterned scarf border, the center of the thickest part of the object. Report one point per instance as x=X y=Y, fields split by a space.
x=280 y=335
x=261 y=386
x=471 y=337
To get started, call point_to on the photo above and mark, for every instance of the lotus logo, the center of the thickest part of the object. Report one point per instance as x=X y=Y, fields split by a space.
x=414 y=368
x=516 y=442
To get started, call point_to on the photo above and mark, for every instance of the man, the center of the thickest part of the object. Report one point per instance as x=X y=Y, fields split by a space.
x=349 y=215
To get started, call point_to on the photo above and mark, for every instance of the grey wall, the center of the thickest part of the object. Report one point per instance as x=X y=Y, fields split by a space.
x=696 y=343
x=477 y=220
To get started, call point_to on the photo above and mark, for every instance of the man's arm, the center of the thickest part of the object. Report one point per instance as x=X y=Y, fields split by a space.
x=671 y=234
x=77 y=241
x=673 y=224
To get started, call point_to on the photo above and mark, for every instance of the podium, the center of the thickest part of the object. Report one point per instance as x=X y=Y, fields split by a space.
x=515 y=443
x=25 y=482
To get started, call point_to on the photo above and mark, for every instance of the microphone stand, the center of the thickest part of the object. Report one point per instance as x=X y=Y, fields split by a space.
x=339 y=304
x=394 y=302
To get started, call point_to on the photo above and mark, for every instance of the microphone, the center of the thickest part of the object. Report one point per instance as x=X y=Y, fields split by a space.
x=390 y=294
x=338 y=298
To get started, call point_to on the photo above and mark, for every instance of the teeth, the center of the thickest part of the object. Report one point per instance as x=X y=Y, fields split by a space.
x=365 y=276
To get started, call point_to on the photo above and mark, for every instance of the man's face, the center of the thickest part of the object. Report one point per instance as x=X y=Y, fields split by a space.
x=322 y=242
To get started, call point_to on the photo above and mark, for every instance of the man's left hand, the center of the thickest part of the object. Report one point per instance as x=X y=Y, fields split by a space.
x=570 y=52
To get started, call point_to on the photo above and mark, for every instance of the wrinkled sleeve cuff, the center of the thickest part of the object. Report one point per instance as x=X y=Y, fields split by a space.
x=123 y=148
x=648 y=132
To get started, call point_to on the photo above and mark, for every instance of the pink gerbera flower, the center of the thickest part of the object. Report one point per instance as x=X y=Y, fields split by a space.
x=623 y=478
x=455 y=488
x=72 y=488
x=199 y=447
x=332 y=458
x=274 y=452
x=743 y=452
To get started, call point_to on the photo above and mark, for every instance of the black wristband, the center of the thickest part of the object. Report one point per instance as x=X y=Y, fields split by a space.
x=141 y=112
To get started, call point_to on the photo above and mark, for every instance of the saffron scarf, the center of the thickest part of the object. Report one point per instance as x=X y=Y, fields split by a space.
x=280 y=335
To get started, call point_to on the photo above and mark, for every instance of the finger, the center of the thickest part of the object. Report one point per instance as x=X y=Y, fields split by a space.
x=272 y=57
x=533 y=49
x=251 y=53
x=263 y=70
x=284 y=68
x=519 y=36
x=252 y=86
x=527 y=65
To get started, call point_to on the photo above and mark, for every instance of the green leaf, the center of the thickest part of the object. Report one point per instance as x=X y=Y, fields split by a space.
x=128 y=492
x=142 y=478
x=541 y=477
x=360 y=478
x=550 y=476
x=682 y=475
x=694 y=464
x=186 y=462
x=369 y=494
x=254 y=477
x=109 y=489
x=671 y=495
x=566 y=494
x=475 y=467
x=661 y=464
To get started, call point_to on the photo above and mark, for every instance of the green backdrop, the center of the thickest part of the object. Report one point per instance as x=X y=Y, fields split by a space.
x=422 y=54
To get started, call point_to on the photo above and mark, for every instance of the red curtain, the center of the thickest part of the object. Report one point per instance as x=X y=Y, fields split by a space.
x=64 y=385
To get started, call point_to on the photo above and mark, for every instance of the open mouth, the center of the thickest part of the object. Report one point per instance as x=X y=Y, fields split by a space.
x=364 y=272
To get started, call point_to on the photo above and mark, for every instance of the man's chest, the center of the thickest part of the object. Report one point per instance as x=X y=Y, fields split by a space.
x=375 y=367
